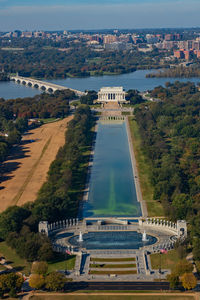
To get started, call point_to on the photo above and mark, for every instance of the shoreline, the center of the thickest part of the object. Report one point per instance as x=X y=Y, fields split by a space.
x=135 y=172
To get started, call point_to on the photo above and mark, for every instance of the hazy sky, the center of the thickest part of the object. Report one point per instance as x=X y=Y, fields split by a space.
x=97 y=14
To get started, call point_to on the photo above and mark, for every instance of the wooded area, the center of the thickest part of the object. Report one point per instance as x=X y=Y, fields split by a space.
x=170 y=132
x=14 y=115
x=43 y=59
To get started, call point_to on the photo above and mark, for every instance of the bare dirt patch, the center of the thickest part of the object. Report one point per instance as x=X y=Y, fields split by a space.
x=26 y=168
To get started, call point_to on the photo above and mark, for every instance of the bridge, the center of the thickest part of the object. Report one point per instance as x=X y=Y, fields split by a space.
x=42 y=85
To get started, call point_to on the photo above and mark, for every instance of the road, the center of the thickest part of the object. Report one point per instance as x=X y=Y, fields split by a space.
x=116 y=286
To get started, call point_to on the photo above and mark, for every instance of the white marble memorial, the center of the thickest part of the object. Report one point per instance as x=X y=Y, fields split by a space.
x=112 y=94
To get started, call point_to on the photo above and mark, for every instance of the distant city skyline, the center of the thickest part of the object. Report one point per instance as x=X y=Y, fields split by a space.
x=97 y=14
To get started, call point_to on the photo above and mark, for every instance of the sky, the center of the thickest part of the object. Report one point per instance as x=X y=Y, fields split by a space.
x=97 y=14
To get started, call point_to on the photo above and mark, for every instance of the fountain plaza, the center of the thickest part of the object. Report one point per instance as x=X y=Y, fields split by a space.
x=129 y=239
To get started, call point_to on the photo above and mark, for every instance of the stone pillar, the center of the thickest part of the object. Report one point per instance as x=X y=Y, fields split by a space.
x=181 y=228
x=43 y=227
x=140 y=222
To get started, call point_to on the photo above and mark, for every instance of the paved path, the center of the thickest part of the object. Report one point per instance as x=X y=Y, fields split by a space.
x=195 y=295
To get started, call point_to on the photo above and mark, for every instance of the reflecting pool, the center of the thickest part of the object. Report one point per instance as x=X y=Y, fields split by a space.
x=112 y=240
x=112 y=189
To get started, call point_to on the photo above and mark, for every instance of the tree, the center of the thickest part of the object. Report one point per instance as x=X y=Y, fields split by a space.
x=55 y=281
x=39 y=267
x=12 y=219
x=173 y=280
x=36 y=281
x=45 y=252
x=183 y=266
x=11 y=282
x=134 y=97
x=14 y=137
x=189 y=281
x=89 y=98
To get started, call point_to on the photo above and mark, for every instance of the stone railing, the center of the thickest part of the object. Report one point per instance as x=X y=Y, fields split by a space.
x=162 y=224
x=64 y=224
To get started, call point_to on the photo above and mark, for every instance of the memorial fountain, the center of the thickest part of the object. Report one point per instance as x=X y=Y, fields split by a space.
x=144 y=237
x=80 y=238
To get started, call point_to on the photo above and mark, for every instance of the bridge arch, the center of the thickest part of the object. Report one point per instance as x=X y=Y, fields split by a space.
x=43 y=87
x=50 y=90
x=23 y=82
x=29 y=84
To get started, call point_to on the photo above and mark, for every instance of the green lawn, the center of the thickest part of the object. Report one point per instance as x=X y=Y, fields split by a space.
x=112 y=266
x=18 y=263
x=62 y=263
x=97 y=272
x=154 y=207
x=99 y=259
x=167 y=260
x=49 y=120
x=113 y=297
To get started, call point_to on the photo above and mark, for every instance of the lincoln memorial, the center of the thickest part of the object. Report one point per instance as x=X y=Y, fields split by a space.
x=113 y=94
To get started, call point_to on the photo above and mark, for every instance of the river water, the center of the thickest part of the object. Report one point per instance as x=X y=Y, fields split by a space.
x=135 y=80
x=112 y=189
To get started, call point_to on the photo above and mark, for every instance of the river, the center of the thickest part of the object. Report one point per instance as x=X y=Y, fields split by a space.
x=135 y=80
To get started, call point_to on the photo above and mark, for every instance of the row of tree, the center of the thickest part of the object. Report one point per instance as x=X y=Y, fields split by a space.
x=40 y=278
x=170 y=132
x=182 y=273
x=59 y=196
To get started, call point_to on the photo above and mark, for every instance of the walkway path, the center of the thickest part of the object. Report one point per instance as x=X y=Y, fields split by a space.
x=196 y=296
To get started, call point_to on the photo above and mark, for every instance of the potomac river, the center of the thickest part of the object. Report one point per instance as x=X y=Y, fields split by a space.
x=135 y=80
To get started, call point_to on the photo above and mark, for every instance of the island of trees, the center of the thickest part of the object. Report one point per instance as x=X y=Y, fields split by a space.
x=179 y=72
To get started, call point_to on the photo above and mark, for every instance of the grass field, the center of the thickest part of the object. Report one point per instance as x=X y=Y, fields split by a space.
x=16 y=262
x=60 y=263
x=167 y=260
x=117 y=272
x=112 y=266
x=113 y=297
x=154 y=208
x=26 y=168
x=99 y=259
